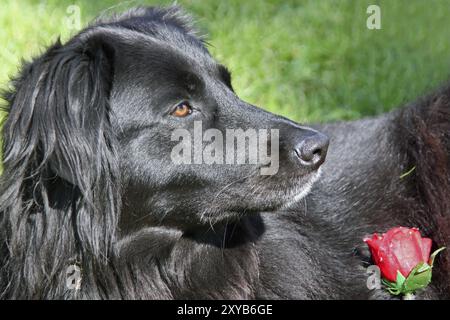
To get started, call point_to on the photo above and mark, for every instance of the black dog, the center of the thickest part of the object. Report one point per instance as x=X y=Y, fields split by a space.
x=89 y=183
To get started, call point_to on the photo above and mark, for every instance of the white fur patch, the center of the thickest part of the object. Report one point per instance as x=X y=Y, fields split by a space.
x=304 y=189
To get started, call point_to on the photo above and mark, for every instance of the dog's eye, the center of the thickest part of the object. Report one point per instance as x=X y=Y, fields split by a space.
x=182 y=110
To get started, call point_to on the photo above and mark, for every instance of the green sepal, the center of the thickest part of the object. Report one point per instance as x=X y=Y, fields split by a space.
x=391 y=287
x=423 y=268
x=419 y=278
x=434 y=254
x=395 y=288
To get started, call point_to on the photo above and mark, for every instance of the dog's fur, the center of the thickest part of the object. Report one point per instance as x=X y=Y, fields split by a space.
x=87 y=180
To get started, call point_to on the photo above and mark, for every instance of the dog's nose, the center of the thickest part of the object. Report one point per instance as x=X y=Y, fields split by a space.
x=312 y=150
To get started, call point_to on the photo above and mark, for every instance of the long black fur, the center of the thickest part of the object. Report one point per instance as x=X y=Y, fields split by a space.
x=85 y=183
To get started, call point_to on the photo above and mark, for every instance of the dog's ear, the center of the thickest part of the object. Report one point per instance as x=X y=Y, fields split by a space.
x=61 y=107
x=59 y=129
x=81 y=80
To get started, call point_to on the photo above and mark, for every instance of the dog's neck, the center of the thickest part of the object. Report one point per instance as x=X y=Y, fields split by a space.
x=205 y=263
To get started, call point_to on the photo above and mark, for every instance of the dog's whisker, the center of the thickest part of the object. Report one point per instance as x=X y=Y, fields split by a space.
x=230 y=184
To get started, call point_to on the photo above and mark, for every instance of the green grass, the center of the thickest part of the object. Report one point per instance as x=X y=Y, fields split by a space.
x=311 y=60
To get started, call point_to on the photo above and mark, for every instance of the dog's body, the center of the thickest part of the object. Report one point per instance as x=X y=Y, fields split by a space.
x=88 y=182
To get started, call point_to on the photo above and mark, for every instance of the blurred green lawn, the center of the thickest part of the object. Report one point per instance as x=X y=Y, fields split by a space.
x=311 y=60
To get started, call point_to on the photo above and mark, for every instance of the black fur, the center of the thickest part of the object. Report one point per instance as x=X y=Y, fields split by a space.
x=87 y=180
x=360 y=192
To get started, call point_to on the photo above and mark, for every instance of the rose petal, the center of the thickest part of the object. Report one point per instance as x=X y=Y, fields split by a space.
x=426 y=249
x=374 y=246
x=424 y=243
x=418 y=240
x=406 y=249
x=388 y=265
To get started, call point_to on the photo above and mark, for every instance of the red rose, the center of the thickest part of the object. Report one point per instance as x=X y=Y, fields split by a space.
x=399 y=249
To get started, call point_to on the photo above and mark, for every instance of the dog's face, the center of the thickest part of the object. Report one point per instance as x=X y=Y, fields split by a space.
x=137 y=106
x=166 y=83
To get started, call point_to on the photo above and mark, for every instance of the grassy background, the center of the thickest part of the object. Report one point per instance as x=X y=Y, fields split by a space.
x=311 y=60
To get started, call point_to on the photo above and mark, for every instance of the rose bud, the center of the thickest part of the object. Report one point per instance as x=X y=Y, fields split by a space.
x=399 y=249
x=404 y=259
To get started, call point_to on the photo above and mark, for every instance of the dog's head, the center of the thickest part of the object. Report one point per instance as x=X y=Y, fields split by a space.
x=135 y=107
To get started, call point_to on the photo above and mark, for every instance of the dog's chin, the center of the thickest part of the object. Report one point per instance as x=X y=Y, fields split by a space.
x=301 y=190
x=298 y=191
